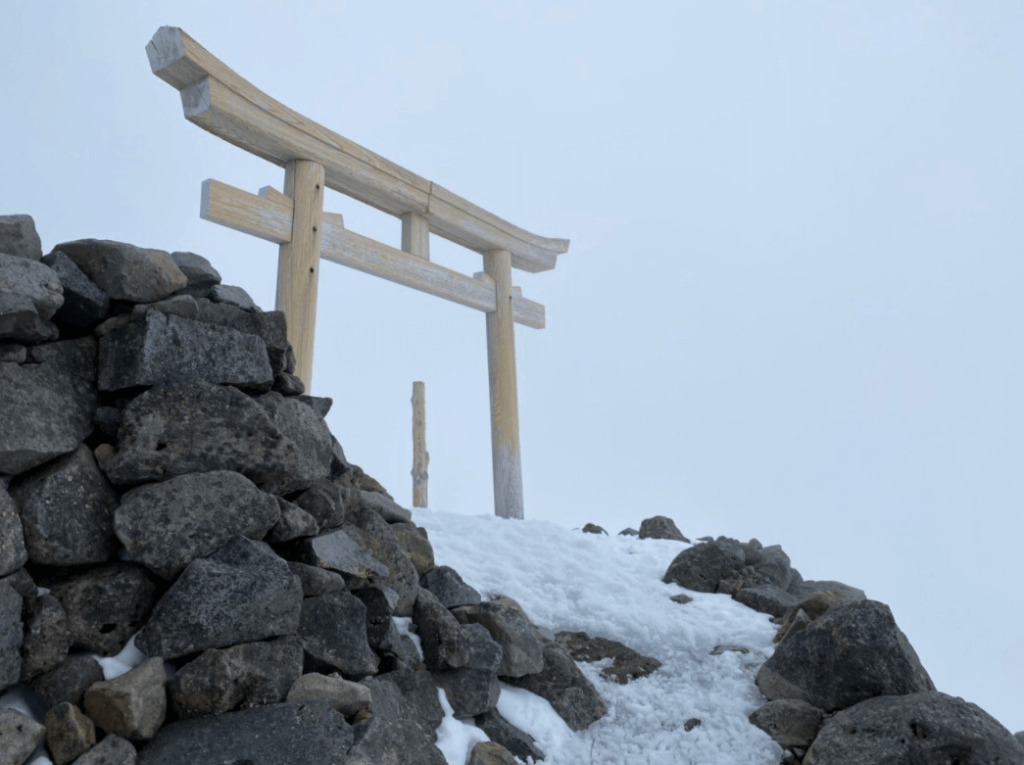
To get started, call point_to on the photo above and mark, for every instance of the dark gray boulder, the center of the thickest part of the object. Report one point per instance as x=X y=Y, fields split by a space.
x=374 y=535
x=112 y=750
x=67 y=511
x=773 y=563
x=197 y=427
x=303 y=427
x=21 y=323
x=385 y=507
x=10 y=636
x=516 y=741
x=30 y=294
x=447 y=586
x=85 y=304
x=69 y=733
x=344 y=696
x=297 y=734
x=68 y=681
x=702 y=567
x=928 y=727
x=240 y=594
x=239 y=677
x=593 y=528
x=337 y=551
x=18 y=237
x=19 y=736
x=315 y=580
x=562 y=683
x=402 y=731
x=469 y=690
x=232 y=295
x=626 y=664
x=804 y=589
x=198 y=270
x=13 y=554
x=105 y=606
x=853 y=652
x=508 y=625
x=406 y=694
x=324 y=502
x=167 y=525
x=416 y=544
x=332 y=629
x=161 y=348
x=766 y=599
x=124 y=271
x=269 y=326
x=294 y=523
x=450 y=645
x=790 y=722
x=661 y=527
x=47 y=637
x=380 y=606
x=48 y=403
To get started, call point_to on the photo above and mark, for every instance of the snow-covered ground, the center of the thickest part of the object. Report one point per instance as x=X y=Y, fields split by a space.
x=608 y=586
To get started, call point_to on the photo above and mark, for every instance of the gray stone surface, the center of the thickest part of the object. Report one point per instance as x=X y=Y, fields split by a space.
x=85 y=304
x=196 y=427
x=501 y=731
x=315 y=580
x=384 y=506
x=393 y=742
x=67 y=511
x=380 y=606
x=804 y=589
x=32 y=280
x=773 y=563
x=167 y=525
x=20 y=322
x=133 y=705
x=47 y=637
x=197 y=269
x=406 y=694
x=333 y=633
x=447 y=586
x=68 y=681
x=701 y=568
x=48 y=403
x=790 y=722
x=508 y=625
x=853 y=652
x=294 y=523
x=13 y=554
x=337 y=551
x=661 y=527
x=766 y=599
x=161 y=348
x=69 y=733
x=240 y=594
x=297 y=734
x=928 y=727
x=416 y=544
x=232 y=295
x=375 y=537
x=490 y=753
x=470 y=691
x=626 y=664
x=239 y=677
x=18 y=237
x=10 y=636
x=307 y=431
x=562 y=683
x=343 y=695
x=112 y=750
x=323 y=501
x=450 y=645
x=105 y=606
x=124 y=271
x=270 y=326
x=19 y=737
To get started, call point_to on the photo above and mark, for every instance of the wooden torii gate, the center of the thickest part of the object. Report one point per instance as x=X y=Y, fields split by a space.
x=217 y=99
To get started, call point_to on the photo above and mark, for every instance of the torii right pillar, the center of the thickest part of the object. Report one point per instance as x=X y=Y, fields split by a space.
x=501 y=368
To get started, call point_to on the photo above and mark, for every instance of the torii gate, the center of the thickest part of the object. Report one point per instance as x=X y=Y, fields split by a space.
x=218 y=100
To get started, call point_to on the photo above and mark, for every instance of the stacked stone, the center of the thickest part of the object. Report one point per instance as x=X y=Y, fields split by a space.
x=165 y=481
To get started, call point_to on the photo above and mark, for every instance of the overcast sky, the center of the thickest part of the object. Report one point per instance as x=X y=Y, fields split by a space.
x=790 y=309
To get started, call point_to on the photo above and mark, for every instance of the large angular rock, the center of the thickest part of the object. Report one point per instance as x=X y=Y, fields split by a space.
x=68 y=681
x=19 y=736
x=239 y=677
x=112 y=750
x=402 y=731
x=165 y=526
x=126 y=272
x=30 y=293
x=303 y=427
x=516 y=741
x=702 y=567
x=337 y=551
x=417 y=546
x=375 y=537
x=450 y=645
x=197 y=269
x=343 y=695
x=853 y=652
x=133 y=705
x=766 y=599
x=384 y=506
x=661 y=527
x=928 y=727
x=85 y=304
x=269 y=325
x=47 y=637
x=240 y=594
x=297 y=734
x=508 y=625
x=333 y=633
x=13 y=554
x=67 y=510
x=69 y=733
x=160 y=348
x=571 y=695
x=471 y=692
x=48 y=404
x=790 y=722
x=105 y=606
x=447 y=586
x=18 y=237
x=197 y=427
x=10 y=636
x=773 y=563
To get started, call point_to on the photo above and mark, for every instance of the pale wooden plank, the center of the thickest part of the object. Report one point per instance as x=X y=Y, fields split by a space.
x=420 y=456
x=501 y=372
x=416 y=235
x=233 y=208
x=298 y=264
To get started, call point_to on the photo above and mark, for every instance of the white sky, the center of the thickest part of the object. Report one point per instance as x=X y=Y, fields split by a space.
x=790 y=309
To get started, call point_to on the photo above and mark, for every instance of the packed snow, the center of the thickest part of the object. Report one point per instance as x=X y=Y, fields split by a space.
x=610 y=586
x=607 y=586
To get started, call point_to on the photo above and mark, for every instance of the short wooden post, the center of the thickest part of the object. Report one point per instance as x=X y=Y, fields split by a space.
x=420 y=456
x=416 y=235
x=298 y=263
x=501 y=367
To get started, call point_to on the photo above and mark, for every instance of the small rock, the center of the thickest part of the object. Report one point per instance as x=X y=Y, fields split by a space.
x=508 y=625
x=236 y=296
x=294 y=523
x=332 y=629
x=85 y=304
x=19 y=736
x=516 y=741
x=316 y=581
x=69 y=733
x=490 y=753
x=629 y=532
x=126 y=272
x=593 y=528
x=447 y=586
x=13 y=554
x=626 y=665
x=199 y=272
x=47 y=637
x=344 y=696
x=112 y=750
x=337 y=551
x=68 y=681
x=682 y=599
x=718 y=650
x=385 y=507
x=701 y=568
x=18 y=237
x=790 y=722
x=693 y=722
x=766 y=599
x=133 y=705
x=661 y=527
